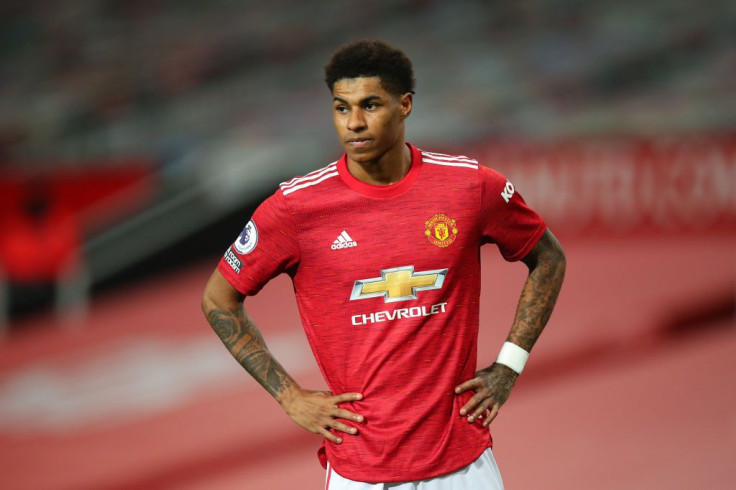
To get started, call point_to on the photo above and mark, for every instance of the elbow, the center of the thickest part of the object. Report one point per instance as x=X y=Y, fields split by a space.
x=208 y=302
x=554 y=255
x=549 y=261
x=215 y=300
x=220 y=295
x=558 y=263
x=559 y=257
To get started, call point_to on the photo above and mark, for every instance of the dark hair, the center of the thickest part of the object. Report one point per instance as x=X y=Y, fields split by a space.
x=371 y=58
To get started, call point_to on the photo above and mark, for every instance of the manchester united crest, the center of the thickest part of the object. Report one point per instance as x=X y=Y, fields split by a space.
x=441 y=230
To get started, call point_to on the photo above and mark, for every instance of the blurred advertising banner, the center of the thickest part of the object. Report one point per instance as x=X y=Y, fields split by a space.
x=94 y=192
x=625 y=185
x=47 y=208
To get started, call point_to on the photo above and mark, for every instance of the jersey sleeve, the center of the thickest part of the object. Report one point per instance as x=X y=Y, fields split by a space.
x=506 y=219
x=265 y=248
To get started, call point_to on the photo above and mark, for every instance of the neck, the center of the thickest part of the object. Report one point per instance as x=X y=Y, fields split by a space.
x=388 y=169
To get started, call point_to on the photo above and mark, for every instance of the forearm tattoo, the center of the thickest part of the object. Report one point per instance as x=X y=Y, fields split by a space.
x=244 y=341
x=539 y=295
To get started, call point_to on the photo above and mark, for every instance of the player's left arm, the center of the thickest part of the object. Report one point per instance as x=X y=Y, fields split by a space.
x=492 y=385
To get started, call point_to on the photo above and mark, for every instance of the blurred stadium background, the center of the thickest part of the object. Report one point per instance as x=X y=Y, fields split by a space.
x=137 y=136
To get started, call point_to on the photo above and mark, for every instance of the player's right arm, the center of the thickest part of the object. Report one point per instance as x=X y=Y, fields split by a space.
x=316 y=411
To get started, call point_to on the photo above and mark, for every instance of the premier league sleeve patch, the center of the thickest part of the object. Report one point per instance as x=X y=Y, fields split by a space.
x=248 y=239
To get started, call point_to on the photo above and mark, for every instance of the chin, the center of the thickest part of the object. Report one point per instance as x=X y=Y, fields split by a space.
x=361 y=155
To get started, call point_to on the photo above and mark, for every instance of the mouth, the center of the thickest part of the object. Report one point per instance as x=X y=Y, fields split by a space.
x=358 y=142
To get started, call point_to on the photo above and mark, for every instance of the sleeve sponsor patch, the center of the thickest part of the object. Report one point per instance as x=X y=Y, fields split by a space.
x=508 y=191
x=233 y=261
x=248 y=239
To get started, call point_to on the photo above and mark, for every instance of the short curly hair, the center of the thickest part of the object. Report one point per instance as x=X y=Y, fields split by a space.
x=372 y=58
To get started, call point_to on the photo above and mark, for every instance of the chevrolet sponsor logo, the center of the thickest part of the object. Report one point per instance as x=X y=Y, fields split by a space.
x=398 y=284
x=387 y=315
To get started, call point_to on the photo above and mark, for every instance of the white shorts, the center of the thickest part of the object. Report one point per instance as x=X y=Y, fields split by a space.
x=481 y=474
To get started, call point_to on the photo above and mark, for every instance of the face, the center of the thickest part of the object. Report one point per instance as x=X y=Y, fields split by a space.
x=368 y=119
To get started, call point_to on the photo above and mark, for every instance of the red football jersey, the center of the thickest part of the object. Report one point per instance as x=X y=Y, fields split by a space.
x=387 y=281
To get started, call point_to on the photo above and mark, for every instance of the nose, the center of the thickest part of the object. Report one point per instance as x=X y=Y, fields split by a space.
x=356 y=121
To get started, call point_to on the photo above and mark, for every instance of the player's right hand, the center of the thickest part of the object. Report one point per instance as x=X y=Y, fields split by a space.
x=318 y=412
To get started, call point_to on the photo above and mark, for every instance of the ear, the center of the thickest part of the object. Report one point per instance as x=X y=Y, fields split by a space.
x=405 y=101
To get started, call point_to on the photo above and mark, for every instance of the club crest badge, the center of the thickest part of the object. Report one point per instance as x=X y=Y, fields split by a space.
x=441 y=230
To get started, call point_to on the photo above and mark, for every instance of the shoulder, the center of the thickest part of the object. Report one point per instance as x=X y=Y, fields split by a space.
x=465 y=169
x=311 y=182
x=449 y=161
x=461 y=162
x=293 y=193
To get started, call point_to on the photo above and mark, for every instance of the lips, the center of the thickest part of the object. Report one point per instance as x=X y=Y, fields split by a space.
x=358 y=142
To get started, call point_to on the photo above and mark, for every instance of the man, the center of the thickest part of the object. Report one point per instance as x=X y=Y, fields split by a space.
x=383 y=250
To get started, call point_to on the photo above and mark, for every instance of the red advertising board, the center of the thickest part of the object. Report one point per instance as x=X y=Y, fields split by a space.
x=624 y=185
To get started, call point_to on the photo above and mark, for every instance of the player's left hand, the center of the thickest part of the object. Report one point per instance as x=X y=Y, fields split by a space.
x=492 y=388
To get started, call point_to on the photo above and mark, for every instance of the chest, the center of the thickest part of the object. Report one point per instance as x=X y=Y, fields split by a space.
x=432 y=227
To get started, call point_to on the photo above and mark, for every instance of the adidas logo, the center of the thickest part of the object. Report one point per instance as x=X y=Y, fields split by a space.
x=343 y=240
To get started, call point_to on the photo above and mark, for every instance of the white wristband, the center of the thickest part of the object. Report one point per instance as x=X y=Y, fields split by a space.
x=513 y=356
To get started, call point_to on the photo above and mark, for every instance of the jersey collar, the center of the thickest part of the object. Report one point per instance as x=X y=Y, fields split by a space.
x=382 y=191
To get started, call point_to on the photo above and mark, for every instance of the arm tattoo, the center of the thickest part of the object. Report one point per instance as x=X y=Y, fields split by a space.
x=539 y=294
x=244 y=341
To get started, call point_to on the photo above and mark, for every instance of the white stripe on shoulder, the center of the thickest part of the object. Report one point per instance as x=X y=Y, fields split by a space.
x=309 y=183
x=443 y=156
x=448 y=160
x=451 y=163
x=310 y=176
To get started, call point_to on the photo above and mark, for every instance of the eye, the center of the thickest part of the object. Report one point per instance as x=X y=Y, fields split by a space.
x=341 y=109
x=371 y=106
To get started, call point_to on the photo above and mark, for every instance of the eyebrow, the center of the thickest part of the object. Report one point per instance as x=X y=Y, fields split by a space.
x=362 y=101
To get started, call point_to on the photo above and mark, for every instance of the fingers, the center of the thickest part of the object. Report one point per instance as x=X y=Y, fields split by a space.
x=481 y=405
x=342 y=427
x=472 y=403
x=320 y=412
x=330 y=436
x=348 y=415
x=484 y=406
x=468 y=385
x=491 y=416
x=471 y=384
x=347 y=397
x=341 y=413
